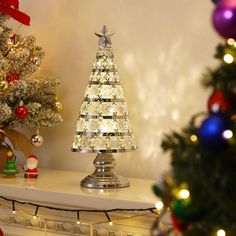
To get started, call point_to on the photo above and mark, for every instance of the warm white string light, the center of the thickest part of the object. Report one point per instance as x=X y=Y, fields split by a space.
x=78 y=218
x=221 y=232
x=159 y=205
x=13 y=207
x=183 y=194
x=152 y=210
x=90 y=225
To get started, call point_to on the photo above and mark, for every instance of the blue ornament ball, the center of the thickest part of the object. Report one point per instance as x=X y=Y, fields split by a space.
x=211 y=132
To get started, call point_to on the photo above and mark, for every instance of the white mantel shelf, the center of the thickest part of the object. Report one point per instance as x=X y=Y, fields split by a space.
x=63 y=188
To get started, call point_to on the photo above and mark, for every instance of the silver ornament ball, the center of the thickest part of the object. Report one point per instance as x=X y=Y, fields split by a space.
x=35 y=60
x=37 y=140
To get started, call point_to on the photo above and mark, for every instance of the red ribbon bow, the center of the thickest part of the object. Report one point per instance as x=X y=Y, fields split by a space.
x=10 y=7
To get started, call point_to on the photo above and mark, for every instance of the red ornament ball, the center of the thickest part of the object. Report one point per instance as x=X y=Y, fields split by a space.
x=178 y=224
x=218 y=102
x=21 y=112
x=12 y=78
x=1 y=232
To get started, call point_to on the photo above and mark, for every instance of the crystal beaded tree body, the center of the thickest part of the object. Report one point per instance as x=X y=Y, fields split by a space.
x=103 y=125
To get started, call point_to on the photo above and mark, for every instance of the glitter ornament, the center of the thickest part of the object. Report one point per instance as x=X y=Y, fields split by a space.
x=12 y=78
x=3 y=85
x=36 y=139
x=58 y=106
x=21 y=112
x=35 y=60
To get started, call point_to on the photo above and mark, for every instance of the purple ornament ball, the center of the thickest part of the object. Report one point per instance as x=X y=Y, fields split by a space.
x=224 y=18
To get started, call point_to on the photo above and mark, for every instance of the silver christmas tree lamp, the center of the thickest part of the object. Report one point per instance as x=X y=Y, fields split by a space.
x=103 y=125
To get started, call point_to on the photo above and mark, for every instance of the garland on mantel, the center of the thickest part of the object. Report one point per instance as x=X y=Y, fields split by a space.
x=154 y=210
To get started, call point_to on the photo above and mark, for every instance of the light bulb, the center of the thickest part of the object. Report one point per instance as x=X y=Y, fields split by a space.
x=34 y=217
x=228 y=58
x=231 y=41
x=110 y=223
x=227 y=134
x=159 y=205
x=14 y=212
x=221 y=232
x=193 y=138
x=78 y=222
x=183 y=194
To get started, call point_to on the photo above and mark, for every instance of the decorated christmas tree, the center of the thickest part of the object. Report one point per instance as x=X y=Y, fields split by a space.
x=10 y=168
x=200 y=192
x=24 y=100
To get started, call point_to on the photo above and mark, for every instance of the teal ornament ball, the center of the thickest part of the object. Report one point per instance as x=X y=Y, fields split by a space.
x=156 y=189
x=185 y=210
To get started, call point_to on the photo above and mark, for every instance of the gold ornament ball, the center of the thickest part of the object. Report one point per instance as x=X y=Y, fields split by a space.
x=58 y=106
x=4 y=85
x=37 y=140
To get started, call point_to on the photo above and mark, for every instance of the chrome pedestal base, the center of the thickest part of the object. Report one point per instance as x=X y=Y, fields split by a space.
x=104 y=176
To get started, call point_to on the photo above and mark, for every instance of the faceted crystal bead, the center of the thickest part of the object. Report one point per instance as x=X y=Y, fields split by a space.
x=111 y=77
x=103 y=77
x=94 y=125
x=80 y=125
x=106 y=91
x=119 y=91
x=122 y=125
x=108 y=108
x=96 y=143
x=122 y=142
x=84 y=108
x=85 y=142
x=107 y=126
x=94 y=108
x=76 y=141
x=122 y=108
x=92 y=91
x=103 y=143
x=114 y=142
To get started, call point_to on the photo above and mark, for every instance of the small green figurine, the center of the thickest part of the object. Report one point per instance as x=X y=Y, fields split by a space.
x=10 y=169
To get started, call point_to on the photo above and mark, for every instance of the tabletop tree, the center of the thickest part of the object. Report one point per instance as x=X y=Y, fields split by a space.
x=24 y=100
x=103 y=126
x=200 y=191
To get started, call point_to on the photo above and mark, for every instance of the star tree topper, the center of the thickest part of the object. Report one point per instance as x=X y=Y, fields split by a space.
x=104 y=37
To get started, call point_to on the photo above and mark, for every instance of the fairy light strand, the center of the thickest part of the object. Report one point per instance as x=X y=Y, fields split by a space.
x=78 y=211
x=90 y=225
